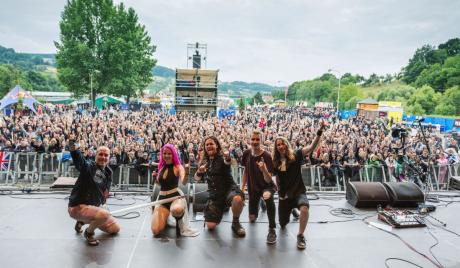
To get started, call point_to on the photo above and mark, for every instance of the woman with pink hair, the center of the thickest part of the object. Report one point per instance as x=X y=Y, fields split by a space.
x=170 y=173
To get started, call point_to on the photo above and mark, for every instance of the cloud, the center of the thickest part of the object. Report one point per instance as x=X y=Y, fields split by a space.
x=264 y=40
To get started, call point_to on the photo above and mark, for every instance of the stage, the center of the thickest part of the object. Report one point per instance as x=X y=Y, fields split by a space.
x=39 y=233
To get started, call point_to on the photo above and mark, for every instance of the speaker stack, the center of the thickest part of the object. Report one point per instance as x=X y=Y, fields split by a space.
x=372 y=194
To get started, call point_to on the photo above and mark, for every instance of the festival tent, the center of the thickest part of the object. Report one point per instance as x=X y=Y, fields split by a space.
x=103 y=101
x=15 y=95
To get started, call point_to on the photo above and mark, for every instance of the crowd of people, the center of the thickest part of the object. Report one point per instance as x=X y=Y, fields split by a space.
x=136 y=137
x=266 y=141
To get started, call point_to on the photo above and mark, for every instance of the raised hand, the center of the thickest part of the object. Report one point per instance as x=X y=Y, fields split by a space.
x=227 y=156
x=261 y=164
x=202 y=169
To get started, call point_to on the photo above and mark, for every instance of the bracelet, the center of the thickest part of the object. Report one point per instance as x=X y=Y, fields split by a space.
x=199 y=174
x=319 y=132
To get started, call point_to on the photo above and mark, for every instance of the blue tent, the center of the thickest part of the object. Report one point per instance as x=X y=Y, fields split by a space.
x=13 y=97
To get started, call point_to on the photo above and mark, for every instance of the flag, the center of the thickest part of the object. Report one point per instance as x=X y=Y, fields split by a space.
x=4 y=160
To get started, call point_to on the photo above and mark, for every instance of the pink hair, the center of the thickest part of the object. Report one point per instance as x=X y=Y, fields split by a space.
x=176 y=161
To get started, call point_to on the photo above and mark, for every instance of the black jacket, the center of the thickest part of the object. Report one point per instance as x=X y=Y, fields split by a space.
x=219 y=178
x=93 y=184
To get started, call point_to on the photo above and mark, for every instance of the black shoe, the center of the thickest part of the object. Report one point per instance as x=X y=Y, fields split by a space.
x=301 y=244
x=271 y=237
x=78 y=226
x=90 y=238
x=238 y=229
x=295 y=213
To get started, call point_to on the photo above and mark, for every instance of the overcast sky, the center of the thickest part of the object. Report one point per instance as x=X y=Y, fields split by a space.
x=270 y=41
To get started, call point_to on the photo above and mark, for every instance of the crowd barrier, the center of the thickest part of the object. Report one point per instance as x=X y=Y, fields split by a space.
x=42 y=170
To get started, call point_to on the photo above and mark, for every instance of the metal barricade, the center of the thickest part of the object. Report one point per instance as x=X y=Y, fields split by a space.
x=129 y=177
x=309 y=178
x=26 y=167
x=48 y=167
x=7 y=166
x=373 y=173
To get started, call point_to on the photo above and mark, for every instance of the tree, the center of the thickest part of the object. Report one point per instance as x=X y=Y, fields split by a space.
x=349 y=92
x=257 y=99
x=132 y=54
x=452 y=47
x=241 y=105
x=422 y=58
x=104 y=48
x=450 y=102
x=426 y=98
x=10 y=77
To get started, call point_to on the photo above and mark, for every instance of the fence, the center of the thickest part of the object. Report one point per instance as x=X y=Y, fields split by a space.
x=42 y=169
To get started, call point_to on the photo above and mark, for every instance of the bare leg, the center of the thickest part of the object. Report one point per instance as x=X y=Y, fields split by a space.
x=159 y=219
x=304 y=214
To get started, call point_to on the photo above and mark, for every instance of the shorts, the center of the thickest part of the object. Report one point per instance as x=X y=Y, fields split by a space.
x=287 y=205
x=87 y=213
x=168 y=205
x=254 y=200
x=214 y=210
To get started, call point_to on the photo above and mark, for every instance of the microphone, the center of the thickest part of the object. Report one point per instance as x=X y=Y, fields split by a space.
x=420 y=119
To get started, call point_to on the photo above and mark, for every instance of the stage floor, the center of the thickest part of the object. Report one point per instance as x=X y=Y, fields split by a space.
x=39 y=233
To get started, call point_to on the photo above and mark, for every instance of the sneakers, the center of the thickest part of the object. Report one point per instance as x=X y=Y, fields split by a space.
x=238 y=229
x=90 y=238
x=271 y=237
x=301 y=244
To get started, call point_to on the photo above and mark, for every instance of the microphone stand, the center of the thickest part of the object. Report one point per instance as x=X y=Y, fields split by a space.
x=406 y=161
x=428 y=177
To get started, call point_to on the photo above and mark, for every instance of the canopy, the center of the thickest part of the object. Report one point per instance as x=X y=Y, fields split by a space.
x=14 y=95
x=105 y=100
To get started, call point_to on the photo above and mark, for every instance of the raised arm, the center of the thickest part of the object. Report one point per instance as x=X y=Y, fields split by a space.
x=78 y=160
x=307 y=150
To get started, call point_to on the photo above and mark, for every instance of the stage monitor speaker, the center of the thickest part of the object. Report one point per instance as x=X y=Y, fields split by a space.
x=367 y=194
x=454 y=182
x=200 y=197
x=404 y=194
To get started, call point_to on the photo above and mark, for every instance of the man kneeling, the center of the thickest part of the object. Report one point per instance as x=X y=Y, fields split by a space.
x=90 y=192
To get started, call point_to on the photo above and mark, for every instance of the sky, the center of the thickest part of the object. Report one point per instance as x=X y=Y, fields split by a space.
x=268 y=41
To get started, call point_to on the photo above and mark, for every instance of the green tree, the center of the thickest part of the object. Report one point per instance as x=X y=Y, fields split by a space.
x=421 y=60
x=132 y=52
x=102 y=46
x=450 y=102
x=257 y=99
x=426 y=97
x=452 y=47
x=349 y=92
x=241 y=105
x=11 y=76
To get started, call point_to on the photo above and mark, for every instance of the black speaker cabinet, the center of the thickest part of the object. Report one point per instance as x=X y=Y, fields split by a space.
x=454 y=182
x=200 y=197
x=367 y=194
x=404 y=194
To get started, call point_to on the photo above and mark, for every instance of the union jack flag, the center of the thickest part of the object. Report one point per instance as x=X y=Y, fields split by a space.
x=4 y=160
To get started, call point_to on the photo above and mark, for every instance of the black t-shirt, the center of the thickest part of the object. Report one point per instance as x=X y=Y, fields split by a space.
x=290 y=182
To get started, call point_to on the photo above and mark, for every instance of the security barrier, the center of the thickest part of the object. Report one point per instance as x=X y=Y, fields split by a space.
x=42 y=169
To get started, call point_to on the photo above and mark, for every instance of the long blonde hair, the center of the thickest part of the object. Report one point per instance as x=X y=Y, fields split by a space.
x=290 y=157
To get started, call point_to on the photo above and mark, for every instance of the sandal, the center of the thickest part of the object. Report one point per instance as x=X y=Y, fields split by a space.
x=90 y=238
x=78 y=226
